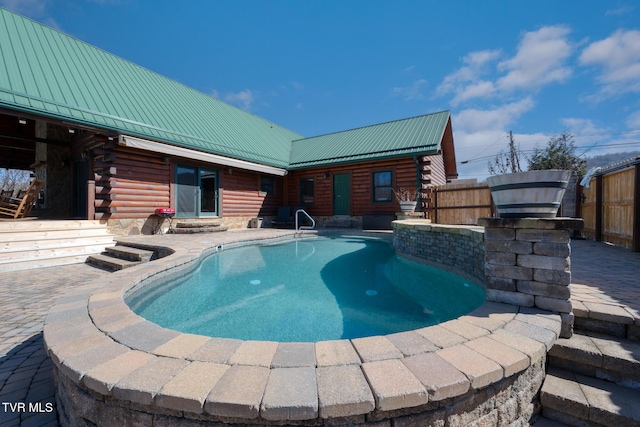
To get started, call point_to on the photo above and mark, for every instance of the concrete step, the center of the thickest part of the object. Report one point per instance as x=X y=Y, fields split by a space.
x=110 y=262
x=579 y=400
x=599 y=356
x=129 y=253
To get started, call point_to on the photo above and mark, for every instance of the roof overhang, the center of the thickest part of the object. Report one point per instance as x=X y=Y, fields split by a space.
x=172 y=150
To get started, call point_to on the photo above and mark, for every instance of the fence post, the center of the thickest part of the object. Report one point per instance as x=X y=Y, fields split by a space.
x=635 y=242
x=599 y=186
x=435 y=205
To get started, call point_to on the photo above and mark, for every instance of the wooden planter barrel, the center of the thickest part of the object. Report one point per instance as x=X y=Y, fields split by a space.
x=408 y=206
x=532 y=194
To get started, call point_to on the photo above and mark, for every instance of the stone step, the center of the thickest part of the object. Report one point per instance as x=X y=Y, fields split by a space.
x=338 y=223
x=579 y=400
x=110 y=263
x=204 y=229
x=198 y=224
x=608 y=319
x=129 y=253
x=599 y=356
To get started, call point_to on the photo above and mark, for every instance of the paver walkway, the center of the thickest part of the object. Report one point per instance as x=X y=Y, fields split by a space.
x=602 y=274
x=604 y=277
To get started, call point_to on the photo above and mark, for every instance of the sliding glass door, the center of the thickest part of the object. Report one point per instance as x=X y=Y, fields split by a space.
x=196 y=191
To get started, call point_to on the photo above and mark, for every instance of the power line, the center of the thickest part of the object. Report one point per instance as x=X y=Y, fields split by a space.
x=612 y=145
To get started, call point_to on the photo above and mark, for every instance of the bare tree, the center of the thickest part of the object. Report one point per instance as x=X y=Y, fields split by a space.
x=14 y=179
x=506 y=162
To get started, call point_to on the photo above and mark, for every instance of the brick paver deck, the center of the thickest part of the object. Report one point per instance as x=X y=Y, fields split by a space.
x=605 y=279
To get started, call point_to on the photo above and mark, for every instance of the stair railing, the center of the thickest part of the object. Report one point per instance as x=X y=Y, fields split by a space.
x=304 y=227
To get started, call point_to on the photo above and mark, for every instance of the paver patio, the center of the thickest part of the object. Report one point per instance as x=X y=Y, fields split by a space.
x=605 y=282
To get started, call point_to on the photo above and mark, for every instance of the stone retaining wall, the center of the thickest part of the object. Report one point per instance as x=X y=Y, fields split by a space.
x=457 y=248
x=528 y=264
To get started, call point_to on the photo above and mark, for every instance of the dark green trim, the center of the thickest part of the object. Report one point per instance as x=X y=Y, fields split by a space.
x=541 y=184
x=529 y=205
x=527 y=215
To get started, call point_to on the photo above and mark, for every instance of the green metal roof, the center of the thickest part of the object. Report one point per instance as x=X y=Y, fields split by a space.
x=416 y=135
x=43 y=71
x=48 y=73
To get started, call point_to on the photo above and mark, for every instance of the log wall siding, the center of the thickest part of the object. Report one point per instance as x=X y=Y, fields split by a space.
x=241 y=195
x=404 y=174
x=134 y=183
x=130 y=183
x=433 y=171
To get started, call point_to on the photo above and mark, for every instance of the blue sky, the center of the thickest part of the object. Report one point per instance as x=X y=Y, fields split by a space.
x=537 y=68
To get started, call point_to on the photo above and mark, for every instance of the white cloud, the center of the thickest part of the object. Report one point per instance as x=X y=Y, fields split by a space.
x=26 y=7
x=540 y=60
x=297 y=86
x=578 y=126
x=411 y=92
x=481 y=89
x=466 y=82
x=480 y=134
x=623 y=10
x=618 y=57
x=243 y=99
x=633 y=121
x=474 y=120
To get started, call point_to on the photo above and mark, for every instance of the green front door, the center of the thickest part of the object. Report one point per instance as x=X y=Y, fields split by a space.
x=341 y=194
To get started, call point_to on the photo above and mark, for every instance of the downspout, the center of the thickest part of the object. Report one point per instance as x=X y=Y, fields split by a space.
x=418 y=181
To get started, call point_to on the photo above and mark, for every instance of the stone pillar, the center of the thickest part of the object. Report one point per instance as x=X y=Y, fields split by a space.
x=527 y=263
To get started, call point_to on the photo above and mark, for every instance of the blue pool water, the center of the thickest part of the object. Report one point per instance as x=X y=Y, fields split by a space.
x=307 y=290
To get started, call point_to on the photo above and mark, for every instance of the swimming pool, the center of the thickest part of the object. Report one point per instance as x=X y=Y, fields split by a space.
x=307 y=290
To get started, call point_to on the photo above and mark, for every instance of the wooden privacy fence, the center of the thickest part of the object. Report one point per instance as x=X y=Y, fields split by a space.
x=459 y=203
x=611 y=206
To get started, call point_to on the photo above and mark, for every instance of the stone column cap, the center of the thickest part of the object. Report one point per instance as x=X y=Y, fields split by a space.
x=535 y=223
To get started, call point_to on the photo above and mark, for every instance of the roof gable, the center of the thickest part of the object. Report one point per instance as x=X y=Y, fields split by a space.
x=412 y=136
x=46 y=72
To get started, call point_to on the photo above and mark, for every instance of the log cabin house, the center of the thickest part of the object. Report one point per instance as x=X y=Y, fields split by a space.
x=114 y=141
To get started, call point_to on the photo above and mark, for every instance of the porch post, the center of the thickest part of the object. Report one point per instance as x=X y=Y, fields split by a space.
x=91 y=199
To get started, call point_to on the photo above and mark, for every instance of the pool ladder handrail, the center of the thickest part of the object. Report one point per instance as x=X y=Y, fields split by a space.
x=304 y=227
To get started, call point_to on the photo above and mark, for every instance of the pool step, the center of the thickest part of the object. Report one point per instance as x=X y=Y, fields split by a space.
x=120 y=257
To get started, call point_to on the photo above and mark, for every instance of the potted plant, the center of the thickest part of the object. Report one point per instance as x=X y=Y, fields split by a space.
x=531 y=194
x=408 y=199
